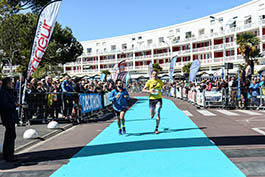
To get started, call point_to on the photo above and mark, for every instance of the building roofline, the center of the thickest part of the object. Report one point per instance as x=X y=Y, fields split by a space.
x=175 y=25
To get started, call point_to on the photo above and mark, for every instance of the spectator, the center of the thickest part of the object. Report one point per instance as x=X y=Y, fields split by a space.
x=254 y=88
x=9 y=118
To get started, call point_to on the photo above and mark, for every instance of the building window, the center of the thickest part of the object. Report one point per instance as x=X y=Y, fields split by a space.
x=160 y=39
x=262 y=17
x=98 y=44
x=177 y=30
x=188 y=35
x=133 y=39
x=149 y=42
x=113 y=47
x=247 y=20
x=124 y=46
x=140 y=37
x=201 y=31
x=233 y=25
x=105 y=49
x=89 y=50
x=103 y=43
x=211 y=30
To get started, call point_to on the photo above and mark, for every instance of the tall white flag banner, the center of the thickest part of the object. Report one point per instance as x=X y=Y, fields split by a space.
x=44 y=29
x=195 y=66
x=150 y=69
x=172 y=66
x=45 y=25
x=115 y=72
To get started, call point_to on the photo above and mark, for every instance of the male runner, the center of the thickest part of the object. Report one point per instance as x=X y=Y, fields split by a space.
x=153 y=86
x=119 y=97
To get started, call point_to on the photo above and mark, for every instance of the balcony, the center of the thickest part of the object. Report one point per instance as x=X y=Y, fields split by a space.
x=206 y=61
x=263 y=37
x=227 y=59
x=221 y=46
x=201 y=49
x=107 y=61
x=143 y=67
x=143 y=57
x=161 y=55
x=90 y=62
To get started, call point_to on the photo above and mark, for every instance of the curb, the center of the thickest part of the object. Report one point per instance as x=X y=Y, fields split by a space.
x=43 y=138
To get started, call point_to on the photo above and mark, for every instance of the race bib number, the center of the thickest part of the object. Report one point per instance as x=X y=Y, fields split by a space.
x=155 y=92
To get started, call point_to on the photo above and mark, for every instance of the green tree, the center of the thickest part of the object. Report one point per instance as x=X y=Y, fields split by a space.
x=9 y=7
x=157 y=67
x=248 y=43
x=16 y=38
x=186 y=68
x=106 y=72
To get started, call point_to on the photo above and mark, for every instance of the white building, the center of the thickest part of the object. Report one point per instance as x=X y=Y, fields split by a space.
x=201 y=39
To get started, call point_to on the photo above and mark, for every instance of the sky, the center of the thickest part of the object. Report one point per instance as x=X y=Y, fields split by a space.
x=96 y=19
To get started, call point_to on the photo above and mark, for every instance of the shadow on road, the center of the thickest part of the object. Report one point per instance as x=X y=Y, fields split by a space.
x=95 y=150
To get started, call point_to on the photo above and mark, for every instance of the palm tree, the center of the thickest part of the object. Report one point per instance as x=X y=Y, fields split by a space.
x=106 y=72
x=157 y=67
x=248 y=43
x=186 y=69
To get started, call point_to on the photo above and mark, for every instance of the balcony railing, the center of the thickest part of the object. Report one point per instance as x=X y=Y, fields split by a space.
x=201 y=49
x=221 y=46
x=161 y=55
x=107 y=61
x=206 y=61
x=142 y=57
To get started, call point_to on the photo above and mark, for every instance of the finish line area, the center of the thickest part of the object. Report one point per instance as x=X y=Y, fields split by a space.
x=181 y=149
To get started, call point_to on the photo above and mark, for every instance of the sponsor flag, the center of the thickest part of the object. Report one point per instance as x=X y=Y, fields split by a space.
x=194 y=69
x=102 y=77
x=128 y=76
x=238 y=86
x=150 y=69
x=115 y=72
x=172 y=66
x=44 y=29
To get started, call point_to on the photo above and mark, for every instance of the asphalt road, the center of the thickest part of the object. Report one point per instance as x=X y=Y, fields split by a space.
x=239 y=134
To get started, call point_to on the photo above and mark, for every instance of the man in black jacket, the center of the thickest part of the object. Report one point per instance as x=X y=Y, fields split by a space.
x=9 y=118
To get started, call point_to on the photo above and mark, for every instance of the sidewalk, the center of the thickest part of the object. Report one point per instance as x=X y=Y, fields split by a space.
x=43 y=131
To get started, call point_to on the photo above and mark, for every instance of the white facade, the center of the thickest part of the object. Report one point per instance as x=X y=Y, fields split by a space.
x=197 y=39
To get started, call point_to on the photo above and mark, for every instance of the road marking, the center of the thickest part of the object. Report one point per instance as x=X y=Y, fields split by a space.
x=187 y=113
x=206 y=113
x=228 y=113
x=42 y=142
x=259 y=130
x=250 y=112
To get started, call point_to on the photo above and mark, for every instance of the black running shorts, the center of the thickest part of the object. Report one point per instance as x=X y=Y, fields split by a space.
x=155 y=102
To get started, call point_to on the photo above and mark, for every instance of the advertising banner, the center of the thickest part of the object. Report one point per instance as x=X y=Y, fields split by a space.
x=90 y=102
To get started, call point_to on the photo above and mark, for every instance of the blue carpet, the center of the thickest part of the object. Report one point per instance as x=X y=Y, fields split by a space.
x=180 y=150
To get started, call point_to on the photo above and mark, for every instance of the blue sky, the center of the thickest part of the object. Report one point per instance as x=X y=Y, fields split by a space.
x=95 y=19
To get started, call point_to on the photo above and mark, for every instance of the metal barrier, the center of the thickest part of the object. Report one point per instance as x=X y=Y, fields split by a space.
x=70 y=106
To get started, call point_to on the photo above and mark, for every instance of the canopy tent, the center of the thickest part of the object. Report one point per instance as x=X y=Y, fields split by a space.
x=259 y=68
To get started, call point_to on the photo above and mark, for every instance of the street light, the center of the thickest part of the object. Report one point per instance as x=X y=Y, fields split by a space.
x=230 y=21
x=169 y=47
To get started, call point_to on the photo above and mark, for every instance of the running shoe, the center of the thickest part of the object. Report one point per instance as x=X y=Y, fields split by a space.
x=120 y=133
x=123 y=130
x=156 y=131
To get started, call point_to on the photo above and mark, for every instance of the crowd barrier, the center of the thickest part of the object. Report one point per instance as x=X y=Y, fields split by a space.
x=73 y=106
x=225 y=98
x=228 y=98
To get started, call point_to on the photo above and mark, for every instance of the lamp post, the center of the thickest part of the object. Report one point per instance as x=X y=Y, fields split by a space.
x=170 y=52
x=220 y=20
